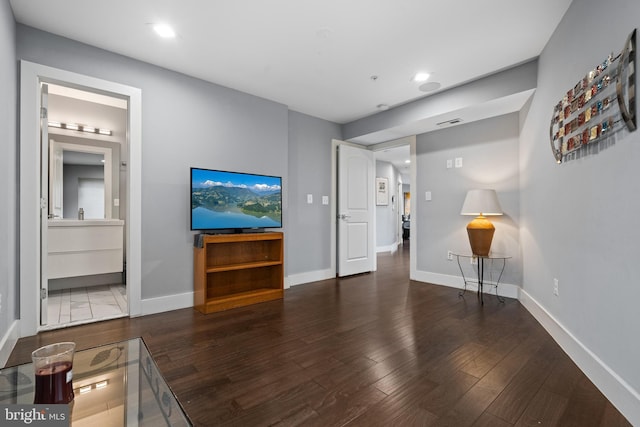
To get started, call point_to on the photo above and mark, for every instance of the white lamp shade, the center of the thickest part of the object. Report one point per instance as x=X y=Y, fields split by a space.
x=481 y=202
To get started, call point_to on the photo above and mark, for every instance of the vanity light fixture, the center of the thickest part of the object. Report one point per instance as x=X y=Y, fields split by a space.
x=83 y=128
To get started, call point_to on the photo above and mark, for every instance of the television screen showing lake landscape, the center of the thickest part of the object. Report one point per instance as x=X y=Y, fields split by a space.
x=234 y=200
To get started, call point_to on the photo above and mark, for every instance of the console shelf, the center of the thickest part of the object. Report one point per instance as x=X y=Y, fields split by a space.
x=234 y=270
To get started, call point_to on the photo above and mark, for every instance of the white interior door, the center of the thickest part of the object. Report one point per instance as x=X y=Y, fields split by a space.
x=44 y=201
x=356 y=226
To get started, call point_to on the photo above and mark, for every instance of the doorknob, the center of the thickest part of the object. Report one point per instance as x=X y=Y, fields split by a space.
x=344 y=216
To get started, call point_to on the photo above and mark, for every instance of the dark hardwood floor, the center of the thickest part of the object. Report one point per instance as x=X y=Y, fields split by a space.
x=369 y=350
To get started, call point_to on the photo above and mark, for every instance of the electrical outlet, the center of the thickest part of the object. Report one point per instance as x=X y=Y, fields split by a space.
x=449 y=256
x=555 y=287
x=473 y=260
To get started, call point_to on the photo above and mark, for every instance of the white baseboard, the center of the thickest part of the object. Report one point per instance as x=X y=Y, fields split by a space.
x=185 y=300
x=166 y=303
x=8 y=342
x=308 y=277
x=389 y=248
x=615 y=388
x=506 y=290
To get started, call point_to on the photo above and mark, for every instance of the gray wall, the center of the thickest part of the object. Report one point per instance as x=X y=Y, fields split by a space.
x=489 y=152
x=8 y=170
x=580 y=219
x=186 y=122
x=308 y=225
x=387 y=216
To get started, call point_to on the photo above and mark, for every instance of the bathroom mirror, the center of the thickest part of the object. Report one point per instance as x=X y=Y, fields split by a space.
x=80 y=176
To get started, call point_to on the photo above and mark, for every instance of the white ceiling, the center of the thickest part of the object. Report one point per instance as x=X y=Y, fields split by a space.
x=398 y=157
x=316 y=57
x=319 y=57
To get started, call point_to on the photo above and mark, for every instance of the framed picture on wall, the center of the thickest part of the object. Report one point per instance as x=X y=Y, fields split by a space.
x=382 y=191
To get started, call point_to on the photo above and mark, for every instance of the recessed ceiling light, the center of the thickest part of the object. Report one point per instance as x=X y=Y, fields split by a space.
x=164 y=31
x=420 y=77
x=407 y=161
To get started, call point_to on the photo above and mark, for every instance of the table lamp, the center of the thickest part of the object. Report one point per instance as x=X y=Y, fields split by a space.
x=481 y=203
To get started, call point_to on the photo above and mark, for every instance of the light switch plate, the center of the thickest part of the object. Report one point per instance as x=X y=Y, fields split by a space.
x=427 y=196
x=458 y=162
x=116 y=202
x=325 y=200
x=309 y=198
x=449 y=163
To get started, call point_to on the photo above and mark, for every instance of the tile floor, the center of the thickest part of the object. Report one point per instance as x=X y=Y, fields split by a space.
x=83 y=305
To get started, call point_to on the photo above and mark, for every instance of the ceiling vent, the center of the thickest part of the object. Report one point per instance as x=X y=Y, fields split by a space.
x=449 y=122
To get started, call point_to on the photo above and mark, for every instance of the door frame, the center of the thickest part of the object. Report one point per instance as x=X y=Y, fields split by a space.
x=31 y=75
x=413 y=173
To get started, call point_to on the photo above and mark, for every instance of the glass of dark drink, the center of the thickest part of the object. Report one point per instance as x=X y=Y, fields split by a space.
x=53 y=365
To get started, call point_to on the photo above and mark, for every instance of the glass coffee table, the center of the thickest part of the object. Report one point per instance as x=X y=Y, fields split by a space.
x=114 y=385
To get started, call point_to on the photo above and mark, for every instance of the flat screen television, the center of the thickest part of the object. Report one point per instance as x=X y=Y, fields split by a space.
x=222 y=200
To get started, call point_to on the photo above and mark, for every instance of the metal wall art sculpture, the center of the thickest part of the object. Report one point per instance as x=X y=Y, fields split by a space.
x=596 y=108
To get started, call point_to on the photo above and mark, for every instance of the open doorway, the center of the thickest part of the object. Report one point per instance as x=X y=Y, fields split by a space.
x=34 y=188
x=84 y=165
x=406 y=145
x=393 y=219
